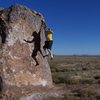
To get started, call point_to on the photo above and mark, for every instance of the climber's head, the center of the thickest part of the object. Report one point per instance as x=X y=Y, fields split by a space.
x=34 y=34
x=48 y=30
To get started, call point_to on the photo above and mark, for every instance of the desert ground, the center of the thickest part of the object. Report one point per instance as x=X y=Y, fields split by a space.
x=79 y=74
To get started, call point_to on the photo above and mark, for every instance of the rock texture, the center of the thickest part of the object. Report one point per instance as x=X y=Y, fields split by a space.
x=17 y=66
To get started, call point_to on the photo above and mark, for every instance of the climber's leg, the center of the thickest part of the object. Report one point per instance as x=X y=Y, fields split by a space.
x=34 y=54
x=51 y=55
x=45 y=48
x=41 y=52
x=36 y=61
x=49 y=48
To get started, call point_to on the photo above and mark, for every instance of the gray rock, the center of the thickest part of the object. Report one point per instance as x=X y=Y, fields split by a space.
x=17 y=65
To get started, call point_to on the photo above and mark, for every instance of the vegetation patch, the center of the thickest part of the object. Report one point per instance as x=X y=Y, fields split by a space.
x=88 y=93
x=73 y=80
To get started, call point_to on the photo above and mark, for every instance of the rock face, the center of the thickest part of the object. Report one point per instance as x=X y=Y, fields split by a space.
x=17 y=66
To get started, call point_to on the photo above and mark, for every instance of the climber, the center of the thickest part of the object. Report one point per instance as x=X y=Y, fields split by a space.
x=37 y=45
x=48 y=43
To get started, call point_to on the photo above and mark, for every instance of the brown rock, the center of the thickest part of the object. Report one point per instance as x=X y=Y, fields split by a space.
x=17 y=66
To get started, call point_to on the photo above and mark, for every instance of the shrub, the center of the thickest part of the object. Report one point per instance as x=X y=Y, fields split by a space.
x=88 y=93
x=73 y=80
x=87 y=81
x=57 y=79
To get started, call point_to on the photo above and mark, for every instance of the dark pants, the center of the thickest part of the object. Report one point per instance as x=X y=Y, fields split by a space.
x=48 y=45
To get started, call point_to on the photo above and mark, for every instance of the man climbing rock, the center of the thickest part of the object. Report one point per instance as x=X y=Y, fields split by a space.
x=37 y=47
x=48 y=43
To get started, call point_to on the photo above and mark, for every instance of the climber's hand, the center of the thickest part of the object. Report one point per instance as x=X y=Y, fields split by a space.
x=25 y=40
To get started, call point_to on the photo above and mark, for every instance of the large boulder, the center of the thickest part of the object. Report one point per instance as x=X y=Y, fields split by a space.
x=17 y=66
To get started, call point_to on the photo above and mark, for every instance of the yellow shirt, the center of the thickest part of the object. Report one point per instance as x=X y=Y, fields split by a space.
x=48 y=36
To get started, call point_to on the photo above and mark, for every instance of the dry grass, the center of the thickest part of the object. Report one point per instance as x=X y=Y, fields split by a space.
x=76 y=69
x=77 y=72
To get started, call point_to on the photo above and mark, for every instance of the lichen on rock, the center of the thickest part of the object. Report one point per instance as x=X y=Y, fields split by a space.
x=18 y=68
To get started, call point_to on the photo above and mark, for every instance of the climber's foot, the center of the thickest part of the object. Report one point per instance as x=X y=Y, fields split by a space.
x=45 y=56
x=37 y=64
x=51 y=58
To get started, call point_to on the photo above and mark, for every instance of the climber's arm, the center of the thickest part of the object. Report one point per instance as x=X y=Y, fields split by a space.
x=29 y=41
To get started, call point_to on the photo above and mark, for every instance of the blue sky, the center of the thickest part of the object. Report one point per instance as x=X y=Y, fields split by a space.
x=75 y=23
